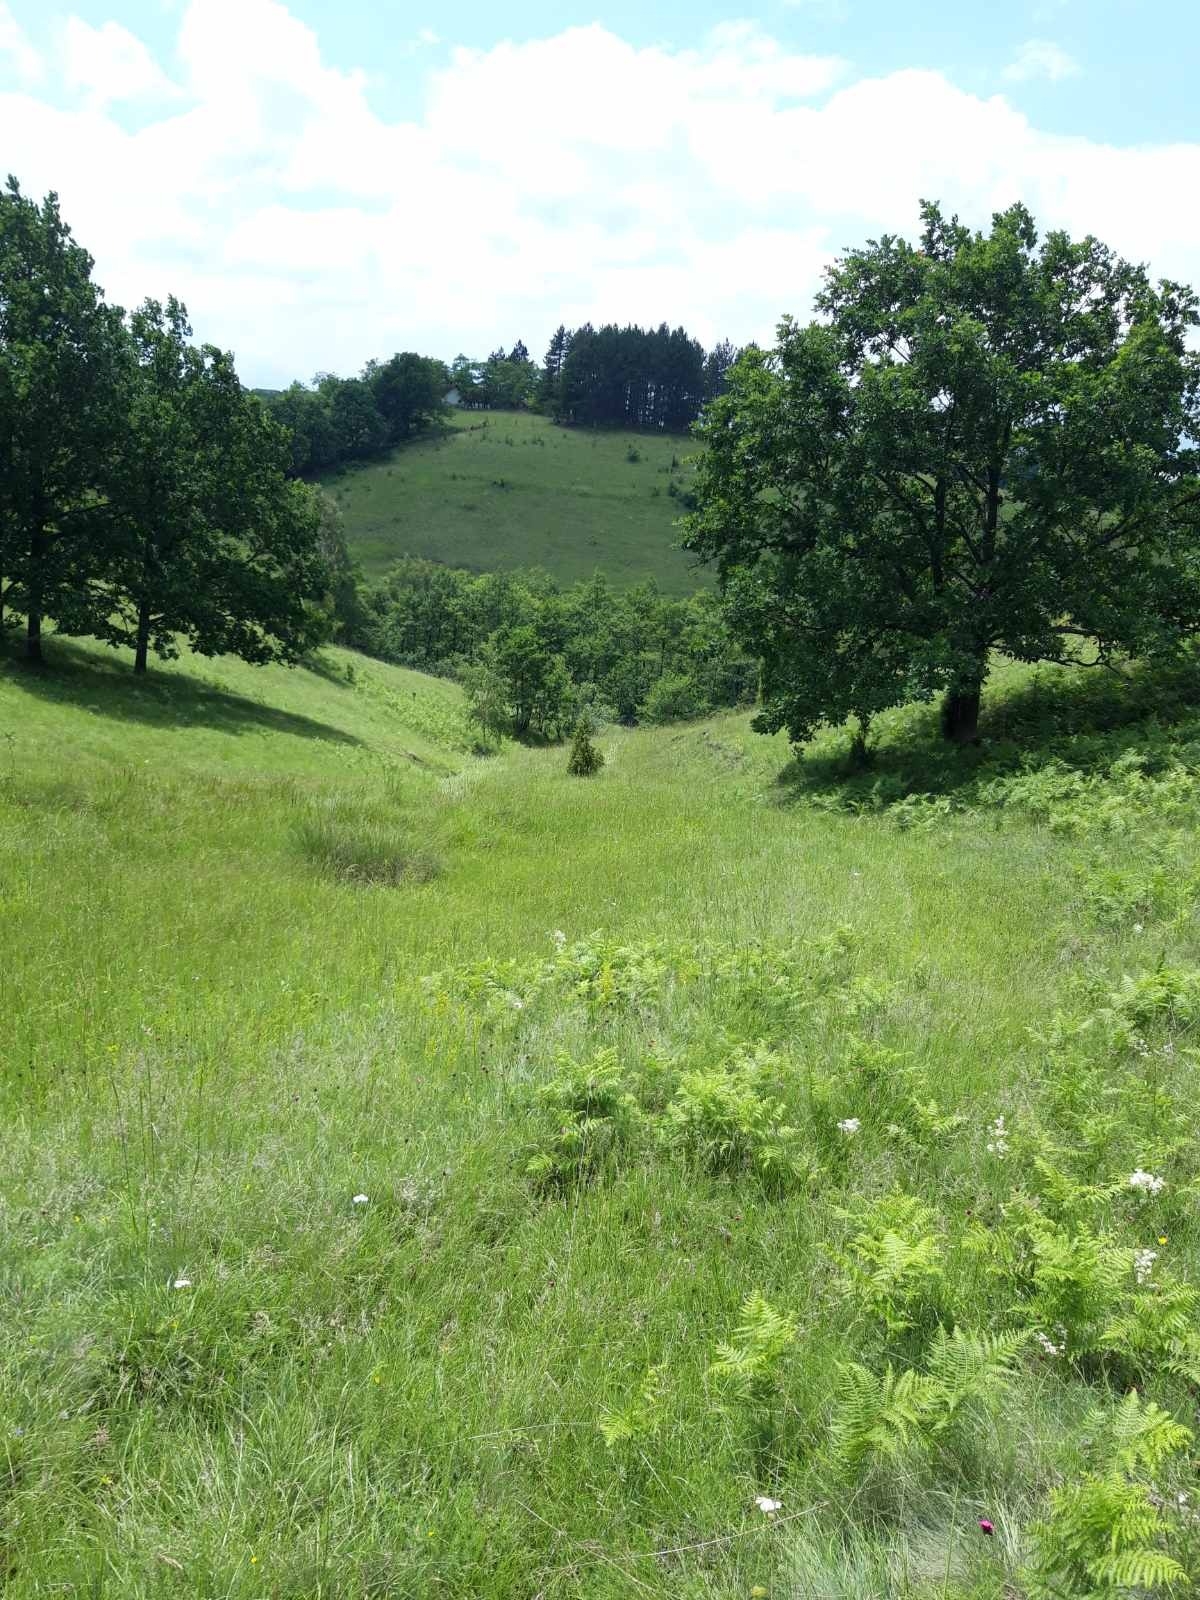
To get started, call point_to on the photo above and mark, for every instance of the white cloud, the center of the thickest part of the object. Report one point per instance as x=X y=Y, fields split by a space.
x=15 y=46
x=1041 y=58
x=564 y=178
x=109 y=65
x=423 y=39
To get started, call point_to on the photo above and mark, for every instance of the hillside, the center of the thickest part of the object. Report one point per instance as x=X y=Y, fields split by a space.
x=499 y=490
x=423 y=1174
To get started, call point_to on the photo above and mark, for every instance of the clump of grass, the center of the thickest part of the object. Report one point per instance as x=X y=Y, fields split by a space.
x=355 y=844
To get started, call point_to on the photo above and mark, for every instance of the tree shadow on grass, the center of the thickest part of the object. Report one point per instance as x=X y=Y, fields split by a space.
x=75 y=676
x=1081 y=719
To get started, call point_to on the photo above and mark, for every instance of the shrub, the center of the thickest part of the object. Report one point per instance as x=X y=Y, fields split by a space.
x=674 y=698
x=585 y=760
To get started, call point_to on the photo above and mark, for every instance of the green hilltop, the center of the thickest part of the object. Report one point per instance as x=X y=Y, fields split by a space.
x=502 y=490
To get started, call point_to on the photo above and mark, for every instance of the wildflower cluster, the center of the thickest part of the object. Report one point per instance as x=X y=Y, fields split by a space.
x=998 y=1143
x=1143 y=1264
x=1146 y=1182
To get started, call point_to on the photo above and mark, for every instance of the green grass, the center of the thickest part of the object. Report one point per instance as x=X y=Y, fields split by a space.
x=502 y=490
x=216 y=1035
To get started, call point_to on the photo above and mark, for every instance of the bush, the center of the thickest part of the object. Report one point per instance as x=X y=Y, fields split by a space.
x=585 y=760
x=674 y=698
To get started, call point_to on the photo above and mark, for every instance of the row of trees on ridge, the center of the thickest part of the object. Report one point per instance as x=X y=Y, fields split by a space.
x=651 y=378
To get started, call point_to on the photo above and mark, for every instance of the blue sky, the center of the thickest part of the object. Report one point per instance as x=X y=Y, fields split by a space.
x=325 y=181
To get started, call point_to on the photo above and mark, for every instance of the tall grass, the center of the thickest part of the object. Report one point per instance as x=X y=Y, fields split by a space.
x=502 y=490
x=221 y=1374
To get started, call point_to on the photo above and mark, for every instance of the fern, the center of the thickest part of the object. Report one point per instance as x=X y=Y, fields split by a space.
x=972 y=1366
x=1156 y=1331
x=1144 y=1435
x=1106 y=1536
x=642 y=1418
x=894 y=1260
x=884 y=1418
x=747 y=1369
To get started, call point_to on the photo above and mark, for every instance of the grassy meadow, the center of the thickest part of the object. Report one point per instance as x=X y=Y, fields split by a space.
x=499 y=490
x=429 y=1174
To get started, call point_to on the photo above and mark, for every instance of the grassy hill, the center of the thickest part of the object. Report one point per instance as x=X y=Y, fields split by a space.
x=500 y=490
x=608 y=1060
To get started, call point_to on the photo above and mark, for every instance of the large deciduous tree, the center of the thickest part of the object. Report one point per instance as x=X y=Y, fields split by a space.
x=990 y=443
x=206 y=538
x=59 y=409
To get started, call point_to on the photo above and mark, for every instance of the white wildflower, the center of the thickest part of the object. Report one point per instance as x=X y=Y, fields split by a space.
x=516 y=1002
x=849 y=1125
x=181 y=1283
x=1048 y=1344
x=998 y=1143
x=559 y=938
x=360 y=1200
x=1137 y=928
x=1143 y=1264
x=1146 y=1182
x=766 y=1505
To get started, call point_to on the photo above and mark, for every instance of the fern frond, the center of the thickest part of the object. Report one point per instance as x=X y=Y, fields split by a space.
x=1144 y=1435
x=973 y=1366
x=882 y=1417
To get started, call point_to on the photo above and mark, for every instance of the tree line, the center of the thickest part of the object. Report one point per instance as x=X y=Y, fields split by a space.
x=336 y=421
x=534 y=656
x=647 y=378
x=145 y=495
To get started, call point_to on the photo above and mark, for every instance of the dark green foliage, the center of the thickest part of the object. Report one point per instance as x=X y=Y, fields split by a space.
x=143 y=492
x=204 y=536
x=585 y=760
x=502 y=382
x=632 y=377
x=988 y=445
x=546 y=649
x=60 y=353
x=352 y=419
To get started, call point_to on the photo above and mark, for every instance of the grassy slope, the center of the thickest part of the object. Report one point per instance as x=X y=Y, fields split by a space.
x=212 y=1045
x=503 y=490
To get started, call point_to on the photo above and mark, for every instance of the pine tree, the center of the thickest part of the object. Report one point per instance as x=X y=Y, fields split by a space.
x=585 y=760
x=556 y=354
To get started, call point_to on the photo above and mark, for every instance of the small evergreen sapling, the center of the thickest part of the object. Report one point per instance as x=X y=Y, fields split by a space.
x=585 y=760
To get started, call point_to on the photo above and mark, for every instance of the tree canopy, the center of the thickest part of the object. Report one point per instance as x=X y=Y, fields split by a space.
x=60 y=354
x=144 y=494
x=988 y=443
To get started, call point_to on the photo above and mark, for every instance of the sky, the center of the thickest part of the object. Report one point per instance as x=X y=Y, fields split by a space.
x=324 y=181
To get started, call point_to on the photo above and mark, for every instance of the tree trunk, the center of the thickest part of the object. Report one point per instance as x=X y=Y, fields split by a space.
x=960 y=714
x=33 y=609
x=143 y=639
